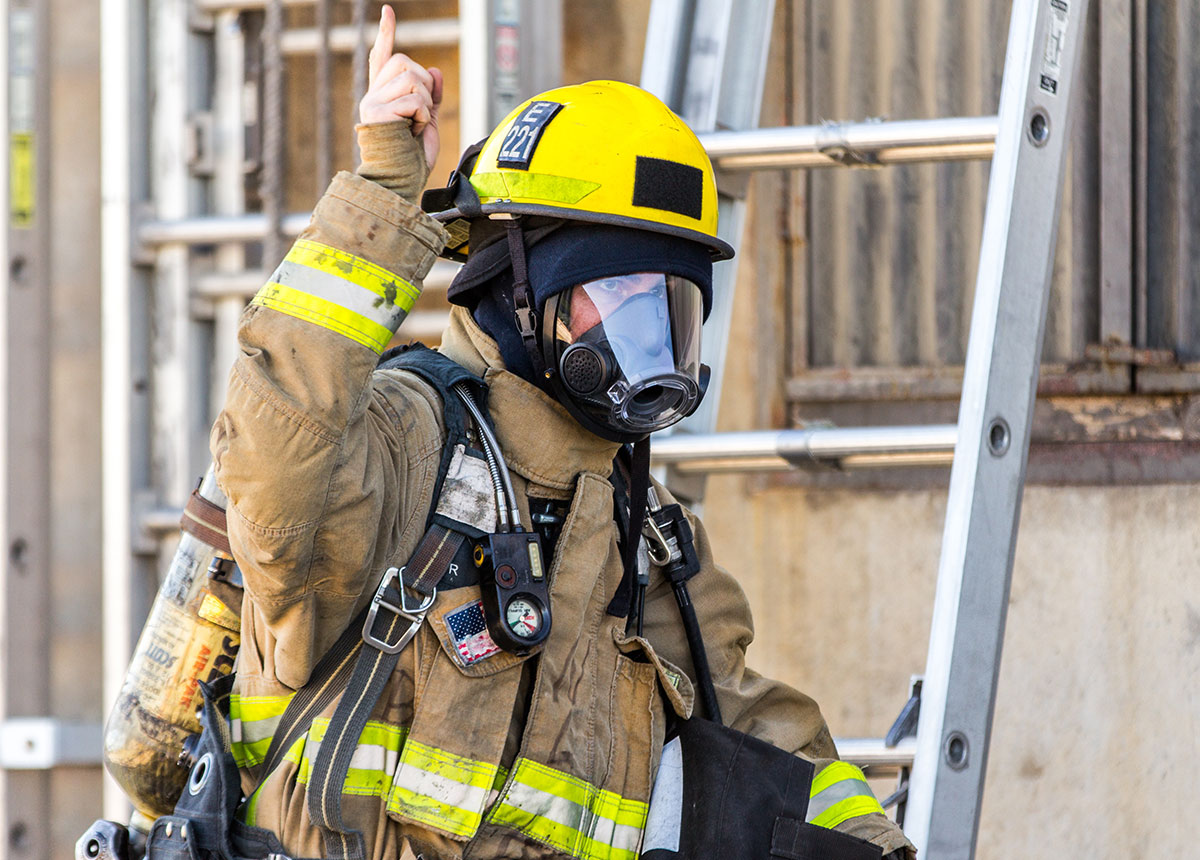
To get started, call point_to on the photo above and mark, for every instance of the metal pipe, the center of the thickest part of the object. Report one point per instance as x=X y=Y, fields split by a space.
x=274 y=146
x=344 y=40
x=242 y=5
x=211 y=6
x=228 y=188
x=828 y=145
x=872 y=752
x=853 y=144
x=213 y=230
x=123 y=179
x=324 y=87
x=777 y=450
x=359 y=72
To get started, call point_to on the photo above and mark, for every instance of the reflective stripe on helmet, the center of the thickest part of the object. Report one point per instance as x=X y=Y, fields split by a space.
x=533 y=186
x=840 y=792
x=571 y=814
x=340 y=292
x=602 y=152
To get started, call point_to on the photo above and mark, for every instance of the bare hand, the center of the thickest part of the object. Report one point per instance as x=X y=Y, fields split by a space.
x=401 y=88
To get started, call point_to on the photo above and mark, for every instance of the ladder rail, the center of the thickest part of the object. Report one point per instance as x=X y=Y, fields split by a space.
x=991 y=443
x=999 y=389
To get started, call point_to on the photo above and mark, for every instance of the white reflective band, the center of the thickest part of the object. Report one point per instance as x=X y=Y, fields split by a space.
x=415 y=783
x=440 y=789
x=340 y=292
x=571 y=814
x=838 y=793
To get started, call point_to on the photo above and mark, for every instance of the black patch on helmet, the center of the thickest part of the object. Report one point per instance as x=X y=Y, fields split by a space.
x=524 y=134
x=668 y=185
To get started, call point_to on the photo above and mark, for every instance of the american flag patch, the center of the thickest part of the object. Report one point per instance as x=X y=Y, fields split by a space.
x=468 y=629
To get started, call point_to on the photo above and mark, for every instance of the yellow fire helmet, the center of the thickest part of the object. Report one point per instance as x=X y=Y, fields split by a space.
x=603 y=152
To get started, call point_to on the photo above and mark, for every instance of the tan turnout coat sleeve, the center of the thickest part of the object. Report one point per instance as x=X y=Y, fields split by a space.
x=318 y=464
x=761 y=707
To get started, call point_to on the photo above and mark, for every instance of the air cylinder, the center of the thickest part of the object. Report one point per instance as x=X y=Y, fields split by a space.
x=191 y=635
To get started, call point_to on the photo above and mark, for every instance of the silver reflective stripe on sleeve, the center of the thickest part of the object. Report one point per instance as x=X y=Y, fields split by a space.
x=840 y=792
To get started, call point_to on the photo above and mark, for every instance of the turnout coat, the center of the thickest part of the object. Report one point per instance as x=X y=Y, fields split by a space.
x=329 y=466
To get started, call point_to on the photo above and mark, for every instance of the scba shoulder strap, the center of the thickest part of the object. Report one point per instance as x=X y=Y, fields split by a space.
x=391 y=620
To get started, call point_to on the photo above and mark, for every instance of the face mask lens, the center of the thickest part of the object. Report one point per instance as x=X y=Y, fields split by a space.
x=627 y=349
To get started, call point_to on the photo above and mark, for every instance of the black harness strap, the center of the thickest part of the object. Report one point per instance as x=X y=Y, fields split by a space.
x=524 y=303
x=325 y=684
x=372 y=670
x=381 y=638
x=639 y=483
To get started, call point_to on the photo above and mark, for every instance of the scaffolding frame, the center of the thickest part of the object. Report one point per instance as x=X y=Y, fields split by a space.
x=173 y=180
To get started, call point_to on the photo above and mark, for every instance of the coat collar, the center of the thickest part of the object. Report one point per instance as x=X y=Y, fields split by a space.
x=540 y=439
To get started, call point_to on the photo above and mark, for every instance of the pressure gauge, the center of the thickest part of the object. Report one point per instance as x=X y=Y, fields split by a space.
x=524 y=617
x=515 y=590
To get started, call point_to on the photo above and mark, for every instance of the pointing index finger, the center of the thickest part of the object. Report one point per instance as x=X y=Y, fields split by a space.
x=385 y=41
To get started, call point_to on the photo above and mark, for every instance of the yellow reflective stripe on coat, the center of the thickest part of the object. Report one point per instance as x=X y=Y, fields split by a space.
x=440 y=789
x=371 y=765
x=571 y=814
x=253 y=720
x=339 y=291
x=840 y=792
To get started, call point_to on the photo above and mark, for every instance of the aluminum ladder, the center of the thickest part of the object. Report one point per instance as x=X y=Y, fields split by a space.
x=706 y=59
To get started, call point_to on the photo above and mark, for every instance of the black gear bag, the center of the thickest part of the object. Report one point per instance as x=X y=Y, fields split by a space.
x=721 y=793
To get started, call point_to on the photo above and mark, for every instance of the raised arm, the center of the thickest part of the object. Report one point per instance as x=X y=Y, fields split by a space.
x=313 y=457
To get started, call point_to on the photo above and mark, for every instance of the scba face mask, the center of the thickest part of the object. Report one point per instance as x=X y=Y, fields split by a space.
x=626 y=352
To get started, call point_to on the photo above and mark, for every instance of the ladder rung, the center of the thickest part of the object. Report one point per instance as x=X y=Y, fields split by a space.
x=872 y=752
x=772 y=450
x=409 y=34
x=853 y=143
x=214 y=229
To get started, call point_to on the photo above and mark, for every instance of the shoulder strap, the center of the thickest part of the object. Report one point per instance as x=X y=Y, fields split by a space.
x=384 y=635
x=442 y=374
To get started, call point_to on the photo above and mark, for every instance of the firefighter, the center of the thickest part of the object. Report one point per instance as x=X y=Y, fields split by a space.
x=580 y=307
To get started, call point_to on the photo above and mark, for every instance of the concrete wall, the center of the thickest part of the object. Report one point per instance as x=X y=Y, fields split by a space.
x=1094 y=748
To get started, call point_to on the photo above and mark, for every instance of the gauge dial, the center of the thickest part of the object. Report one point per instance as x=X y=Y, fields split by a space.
x=524 y=617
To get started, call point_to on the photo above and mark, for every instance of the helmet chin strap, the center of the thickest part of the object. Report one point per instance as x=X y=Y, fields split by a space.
x=524 y=305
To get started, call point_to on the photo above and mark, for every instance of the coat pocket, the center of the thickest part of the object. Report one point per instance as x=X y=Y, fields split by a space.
x=675 y=683
x=638 y=730
x=458 y=621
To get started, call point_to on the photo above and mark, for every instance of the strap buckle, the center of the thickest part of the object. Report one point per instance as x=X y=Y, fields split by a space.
x=662 y=549
x=414 y=614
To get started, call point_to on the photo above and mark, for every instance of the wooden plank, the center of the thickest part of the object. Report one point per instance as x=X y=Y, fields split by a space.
x=1116 y=70
x=846 y=384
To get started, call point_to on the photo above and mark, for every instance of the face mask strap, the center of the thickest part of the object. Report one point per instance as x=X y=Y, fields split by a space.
x=523 y=300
